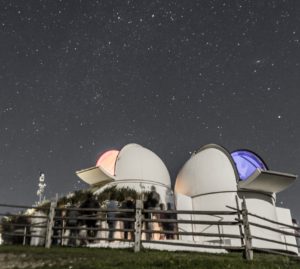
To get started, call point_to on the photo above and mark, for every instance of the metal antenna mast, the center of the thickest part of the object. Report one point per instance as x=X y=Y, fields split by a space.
x=42 y=185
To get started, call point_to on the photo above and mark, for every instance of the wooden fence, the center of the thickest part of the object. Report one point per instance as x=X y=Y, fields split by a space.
x=53 y=226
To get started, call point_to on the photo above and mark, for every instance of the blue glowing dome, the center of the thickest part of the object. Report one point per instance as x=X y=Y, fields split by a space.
x=246 y=163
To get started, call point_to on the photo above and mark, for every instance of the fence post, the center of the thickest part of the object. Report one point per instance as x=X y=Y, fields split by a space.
x=247 y=233
x=50 y=224
x=240 y=219
x=24 y=237
x=138 y=225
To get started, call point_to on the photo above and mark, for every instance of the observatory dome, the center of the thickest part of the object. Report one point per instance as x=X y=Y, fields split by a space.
x=208 y=170
x=132 y=165
x=135 y=162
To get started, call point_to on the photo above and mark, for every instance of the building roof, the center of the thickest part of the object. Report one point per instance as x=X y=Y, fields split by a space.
x=132 y=162
x=212 y=169
x=208 y=170
x=135 y=162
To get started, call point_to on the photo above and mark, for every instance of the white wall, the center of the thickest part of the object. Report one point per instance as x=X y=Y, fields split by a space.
x=284 y=216
x=216 y=202
x=184 y=202
x=262 y=205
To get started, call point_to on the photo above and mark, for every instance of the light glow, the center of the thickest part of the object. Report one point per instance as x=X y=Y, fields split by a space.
x=246 y=163
x=107 y=161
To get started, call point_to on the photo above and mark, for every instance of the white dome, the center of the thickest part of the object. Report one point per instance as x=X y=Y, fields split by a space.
x=135 y=162
x=210 y=170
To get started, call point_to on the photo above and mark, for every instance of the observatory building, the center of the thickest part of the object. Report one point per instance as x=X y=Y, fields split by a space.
x=215 y=180
x=211 y=180
x=134 y=167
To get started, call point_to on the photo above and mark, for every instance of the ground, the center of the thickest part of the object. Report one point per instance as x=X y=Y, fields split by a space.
x=76 y=258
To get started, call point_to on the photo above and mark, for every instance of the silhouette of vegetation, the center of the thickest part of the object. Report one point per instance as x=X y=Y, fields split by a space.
x=14 y=224
x=79 y=196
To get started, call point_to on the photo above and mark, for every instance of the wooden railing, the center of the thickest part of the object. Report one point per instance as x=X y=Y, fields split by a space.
x=51 y=226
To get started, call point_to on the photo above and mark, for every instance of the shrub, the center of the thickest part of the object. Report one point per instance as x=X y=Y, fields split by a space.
x=11 y=225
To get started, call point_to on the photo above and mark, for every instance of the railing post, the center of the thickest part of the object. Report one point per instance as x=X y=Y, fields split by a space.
x=247 y=233
x=24 y=237
x=138 y=225
x=240 y=219
x=50 y=224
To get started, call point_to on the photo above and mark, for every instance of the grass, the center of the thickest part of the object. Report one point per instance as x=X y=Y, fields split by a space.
x=85 y=258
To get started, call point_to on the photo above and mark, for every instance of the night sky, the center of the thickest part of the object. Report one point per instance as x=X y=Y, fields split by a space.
x=80 y=77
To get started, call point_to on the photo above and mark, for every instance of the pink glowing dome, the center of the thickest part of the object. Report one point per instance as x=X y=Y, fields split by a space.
x=107 y=161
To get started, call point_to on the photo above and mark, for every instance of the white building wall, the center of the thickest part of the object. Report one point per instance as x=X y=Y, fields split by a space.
x=284 y=216
x=216 y=202
x=262 y=205
x=184 y=202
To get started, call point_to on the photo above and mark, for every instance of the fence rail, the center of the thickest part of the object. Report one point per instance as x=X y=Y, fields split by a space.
x=55 y=226
x=23 y=206
x=273 y=229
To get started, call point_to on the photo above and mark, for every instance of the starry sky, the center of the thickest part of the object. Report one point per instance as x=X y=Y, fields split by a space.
x=80 y=77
